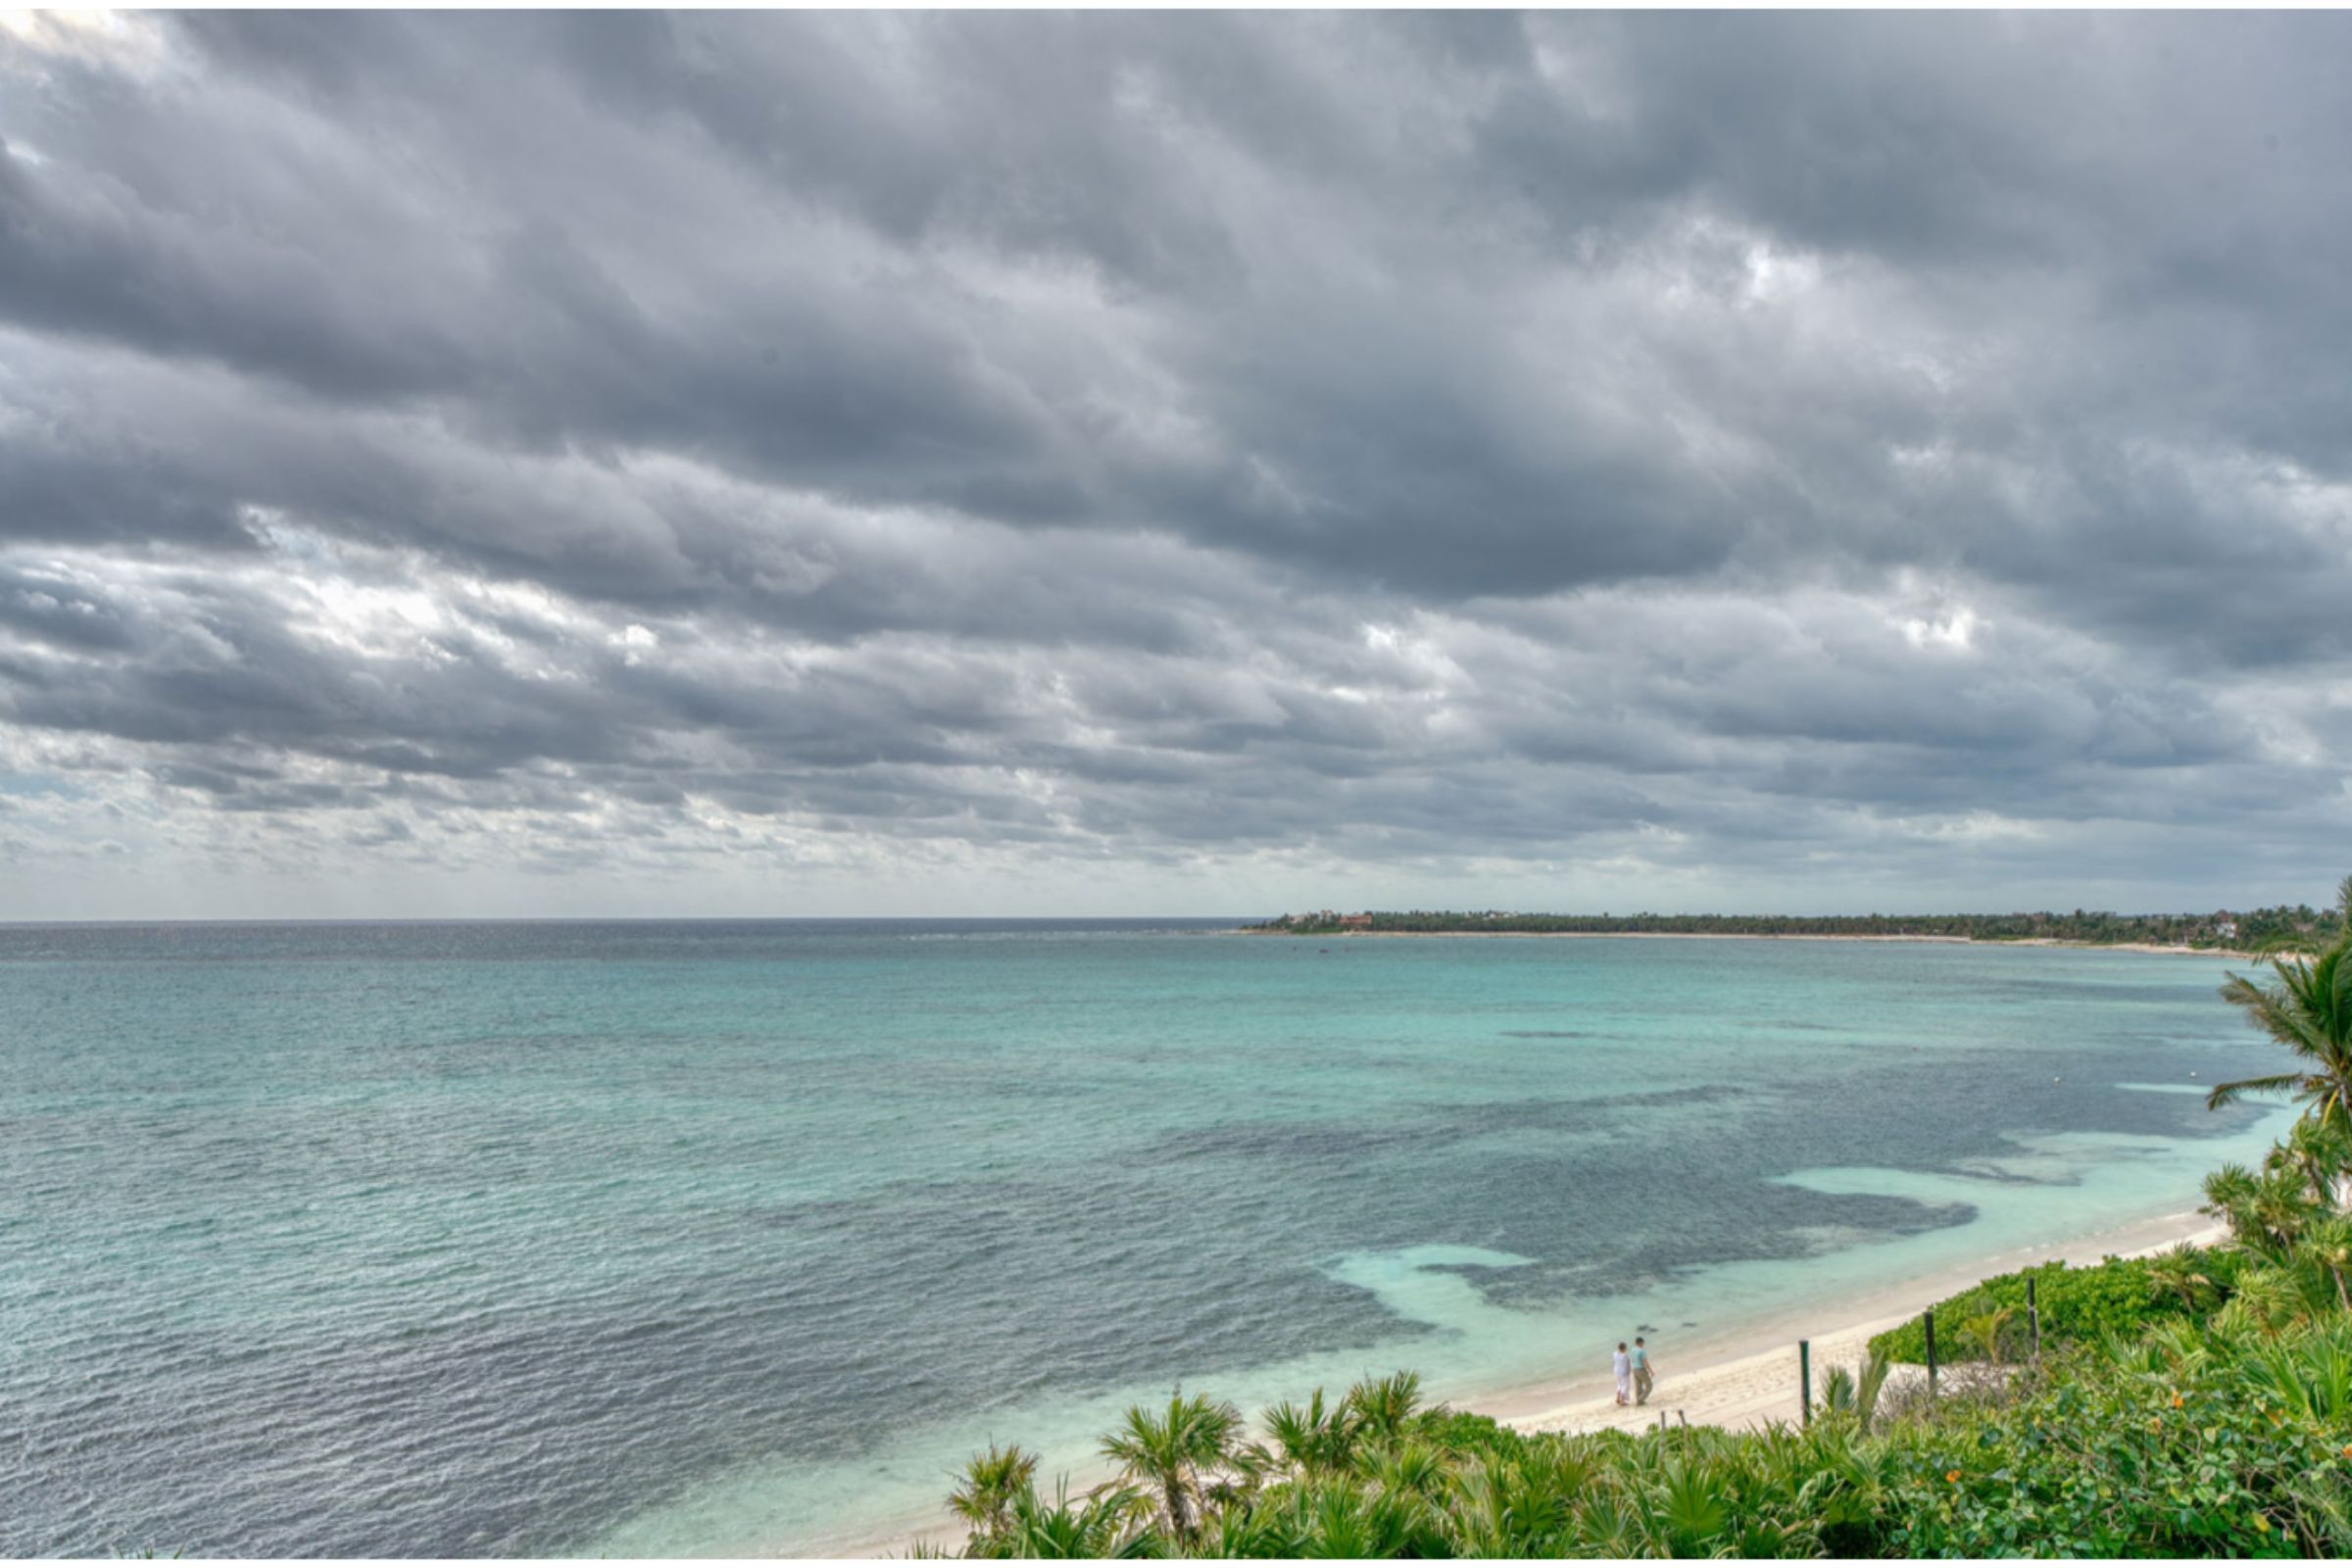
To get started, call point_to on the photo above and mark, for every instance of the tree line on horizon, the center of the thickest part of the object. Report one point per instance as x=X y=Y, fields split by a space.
x=2244 y=930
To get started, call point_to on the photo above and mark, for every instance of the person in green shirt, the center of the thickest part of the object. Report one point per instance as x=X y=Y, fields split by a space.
x=1643 y=1381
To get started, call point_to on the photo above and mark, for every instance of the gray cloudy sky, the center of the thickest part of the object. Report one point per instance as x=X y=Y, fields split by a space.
x=853 y=464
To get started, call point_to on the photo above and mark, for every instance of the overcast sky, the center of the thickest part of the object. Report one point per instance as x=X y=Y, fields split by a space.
x=853 y=464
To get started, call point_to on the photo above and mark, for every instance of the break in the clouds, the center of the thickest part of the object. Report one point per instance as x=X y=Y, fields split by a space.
x=980 y=462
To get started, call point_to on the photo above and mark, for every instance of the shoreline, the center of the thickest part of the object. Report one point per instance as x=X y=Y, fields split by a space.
x=2235 y=955
x=1749 y=1378
x=1742 y=1380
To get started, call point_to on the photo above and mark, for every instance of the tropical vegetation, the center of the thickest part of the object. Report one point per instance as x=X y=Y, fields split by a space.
x=1994 y=1321
x=2198 y=1403
x=2242 y=930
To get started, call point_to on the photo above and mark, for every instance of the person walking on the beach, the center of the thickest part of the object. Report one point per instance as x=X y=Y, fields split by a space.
x=1643 y=1381
x=1623 y=1365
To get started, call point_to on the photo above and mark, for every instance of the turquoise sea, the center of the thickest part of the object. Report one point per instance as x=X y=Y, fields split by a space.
x=732 y=1236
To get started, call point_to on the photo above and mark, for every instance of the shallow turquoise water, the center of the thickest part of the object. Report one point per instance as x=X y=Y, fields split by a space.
x=724 y=1237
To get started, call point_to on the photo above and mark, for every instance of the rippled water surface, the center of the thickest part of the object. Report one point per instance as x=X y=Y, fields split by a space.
x=430 y=1240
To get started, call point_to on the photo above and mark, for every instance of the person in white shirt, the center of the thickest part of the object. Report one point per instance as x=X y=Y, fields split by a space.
x=1623 y=1365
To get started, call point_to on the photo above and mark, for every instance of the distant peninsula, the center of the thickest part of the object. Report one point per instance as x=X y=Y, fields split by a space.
x=2221 y=930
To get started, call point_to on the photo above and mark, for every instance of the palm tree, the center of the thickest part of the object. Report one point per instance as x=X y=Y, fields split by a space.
x=1501 y=1507
x=2310 y=1374
x=1333 y=1519
x=1316 y=1440
x=1102 y=1525
x=2230 y=1197
x=1246 y=1469
x=1985 y=1329
x=1410 y=1467
x=1692 y=1514
x=992 y=1482
x=2322 y=1151
x=1856 y=1394
x=1838 y=1390
x=2311 y=940
x=2266 y=1213
x=2178 y=1271
x=2330 y=1246
x=2308 y=1011
x=1385 y=1405
x=1262 y=1531
x=1171 y=1454
x=2278 y=1296
x=2282 y=1207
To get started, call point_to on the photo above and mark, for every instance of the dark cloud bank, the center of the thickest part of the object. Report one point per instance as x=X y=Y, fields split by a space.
x=472 y=463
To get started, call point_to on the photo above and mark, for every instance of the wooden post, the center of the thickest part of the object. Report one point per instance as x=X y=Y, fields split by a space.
x=1929 y=1318
x=1804 y=1380
x=2033 y=1316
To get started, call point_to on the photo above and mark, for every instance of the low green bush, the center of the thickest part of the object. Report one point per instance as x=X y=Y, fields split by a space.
x=2120 y=1295
x=1460 y=1432
x=2206 y=1459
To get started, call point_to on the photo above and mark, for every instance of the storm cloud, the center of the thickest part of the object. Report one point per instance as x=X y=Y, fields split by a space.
x=1199 y=462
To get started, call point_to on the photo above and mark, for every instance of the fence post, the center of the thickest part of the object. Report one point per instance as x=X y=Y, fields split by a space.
x=1929 y=1318
x=2033 y=1317
x=1804 y=1380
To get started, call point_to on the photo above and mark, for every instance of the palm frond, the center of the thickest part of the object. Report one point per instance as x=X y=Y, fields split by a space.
x=2285 y=1083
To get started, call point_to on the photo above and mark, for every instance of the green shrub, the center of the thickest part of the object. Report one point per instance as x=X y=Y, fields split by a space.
x=2118 y=1297
x=2108 y=1460
x=1462 y=1432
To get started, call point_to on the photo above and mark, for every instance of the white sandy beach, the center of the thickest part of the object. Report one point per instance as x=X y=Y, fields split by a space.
x=1751 y=1380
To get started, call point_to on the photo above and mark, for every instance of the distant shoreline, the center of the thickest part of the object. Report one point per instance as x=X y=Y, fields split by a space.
x=2236 y=954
